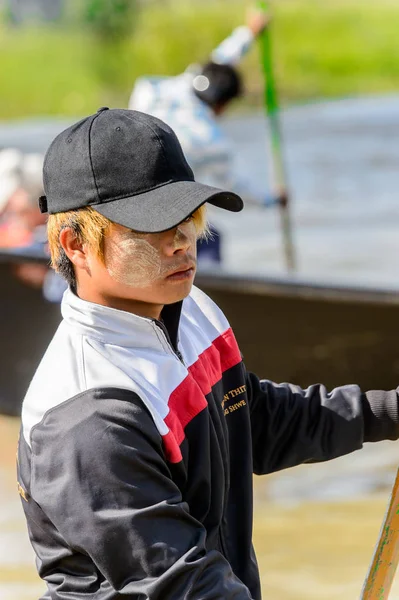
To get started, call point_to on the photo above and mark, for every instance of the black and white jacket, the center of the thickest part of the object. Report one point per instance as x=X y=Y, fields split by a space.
x=138 y=444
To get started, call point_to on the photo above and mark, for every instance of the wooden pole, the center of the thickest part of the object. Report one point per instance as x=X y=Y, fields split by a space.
x=272 y=112
x=386 y=554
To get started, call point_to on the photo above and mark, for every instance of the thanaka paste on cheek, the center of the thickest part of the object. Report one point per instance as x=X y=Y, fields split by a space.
x=132 y=261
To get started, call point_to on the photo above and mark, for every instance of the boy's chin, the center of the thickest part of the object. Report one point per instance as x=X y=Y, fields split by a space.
x=179 y=293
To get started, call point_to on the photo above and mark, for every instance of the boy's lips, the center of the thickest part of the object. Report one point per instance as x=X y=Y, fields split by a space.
x=182 y=271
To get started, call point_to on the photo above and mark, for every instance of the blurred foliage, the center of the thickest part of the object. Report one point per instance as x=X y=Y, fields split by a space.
x=322 y=48
x=110 y=19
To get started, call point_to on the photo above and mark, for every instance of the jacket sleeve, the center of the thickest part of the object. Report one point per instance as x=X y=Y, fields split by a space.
x=111 y=496
x=291 y=426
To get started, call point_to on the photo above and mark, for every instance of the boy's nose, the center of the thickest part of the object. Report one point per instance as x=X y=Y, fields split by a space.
x=179 y=241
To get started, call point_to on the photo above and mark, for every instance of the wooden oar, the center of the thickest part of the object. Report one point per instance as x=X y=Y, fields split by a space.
x=272 y=110
x=386 y=554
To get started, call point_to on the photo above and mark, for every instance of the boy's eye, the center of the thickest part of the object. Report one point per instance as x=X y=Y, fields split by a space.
x=189 y=218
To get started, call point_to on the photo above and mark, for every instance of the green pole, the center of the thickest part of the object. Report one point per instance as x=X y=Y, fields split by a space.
x=272 y=113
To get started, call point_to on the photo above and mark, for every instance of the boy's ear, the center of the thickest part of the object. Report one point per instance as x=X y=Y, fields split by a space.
x=73 y=247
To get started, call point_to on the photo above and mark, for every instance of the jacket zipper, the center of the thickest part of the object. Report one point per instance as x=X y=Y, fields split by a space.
x=167 y=336
x=221 y=536
x=178 y=354
x=222 y=543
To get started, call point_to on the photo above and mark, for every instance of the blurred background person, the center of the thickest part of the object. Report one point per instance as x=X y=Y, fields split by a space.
x=22 y=225
x=20 y=186
x=191 y=104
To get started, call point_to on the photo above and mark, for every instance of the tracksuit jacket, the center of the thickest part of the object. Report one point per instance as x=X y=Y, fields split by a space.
x=138 y=443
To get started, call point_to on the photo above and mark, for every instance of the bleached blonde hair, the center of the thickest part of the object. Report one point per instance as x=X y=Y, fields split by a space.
x=90 y=228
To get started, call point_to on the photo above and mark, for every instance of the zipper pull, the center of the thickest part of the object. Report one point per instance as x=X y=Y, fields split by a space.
x=179 y=356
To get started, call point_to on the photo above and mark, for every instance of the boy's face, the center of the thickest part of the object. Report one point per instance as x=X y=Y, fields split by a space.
x=147 y=268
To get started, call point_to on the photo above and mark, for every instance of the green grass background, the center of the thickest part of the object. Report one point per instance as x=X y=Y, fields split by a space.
x=322 y=48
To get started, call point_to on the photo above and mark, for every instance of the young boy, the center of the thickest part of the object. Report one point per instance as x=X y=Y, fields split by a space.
x=142 y=428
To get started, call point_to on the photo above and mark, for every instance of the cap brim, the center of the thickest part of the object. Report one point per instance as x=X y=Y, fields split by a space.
x=165 y=207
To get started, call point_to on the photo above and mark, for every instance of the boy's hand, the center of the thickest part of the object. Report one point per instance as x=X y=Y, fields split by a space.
x=257 y=20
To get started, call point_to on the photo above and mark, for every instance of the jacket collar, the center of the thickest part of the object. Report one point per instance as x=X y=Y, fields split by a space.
x=113 y=326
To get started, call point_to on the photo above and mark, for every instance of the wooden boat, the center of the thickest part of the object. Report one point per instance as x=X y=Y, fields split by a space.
x=288 y=330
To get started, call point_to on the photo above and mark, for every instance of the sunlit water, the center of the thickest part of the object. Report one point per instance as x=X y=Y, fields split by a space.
x=315 y=525
x=342 y=163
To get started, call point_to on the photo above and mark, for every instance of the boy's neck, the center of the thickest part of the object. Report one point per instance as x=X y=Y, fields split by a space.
x=136 y=307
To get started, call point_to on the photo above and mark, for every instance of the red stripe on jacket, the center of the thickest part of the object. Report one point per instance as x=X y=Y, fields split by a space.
x=188 y=399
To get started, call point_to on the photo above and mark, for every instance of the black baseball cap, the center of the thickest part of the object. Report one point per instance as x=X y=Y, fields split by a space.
x=130 y=167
